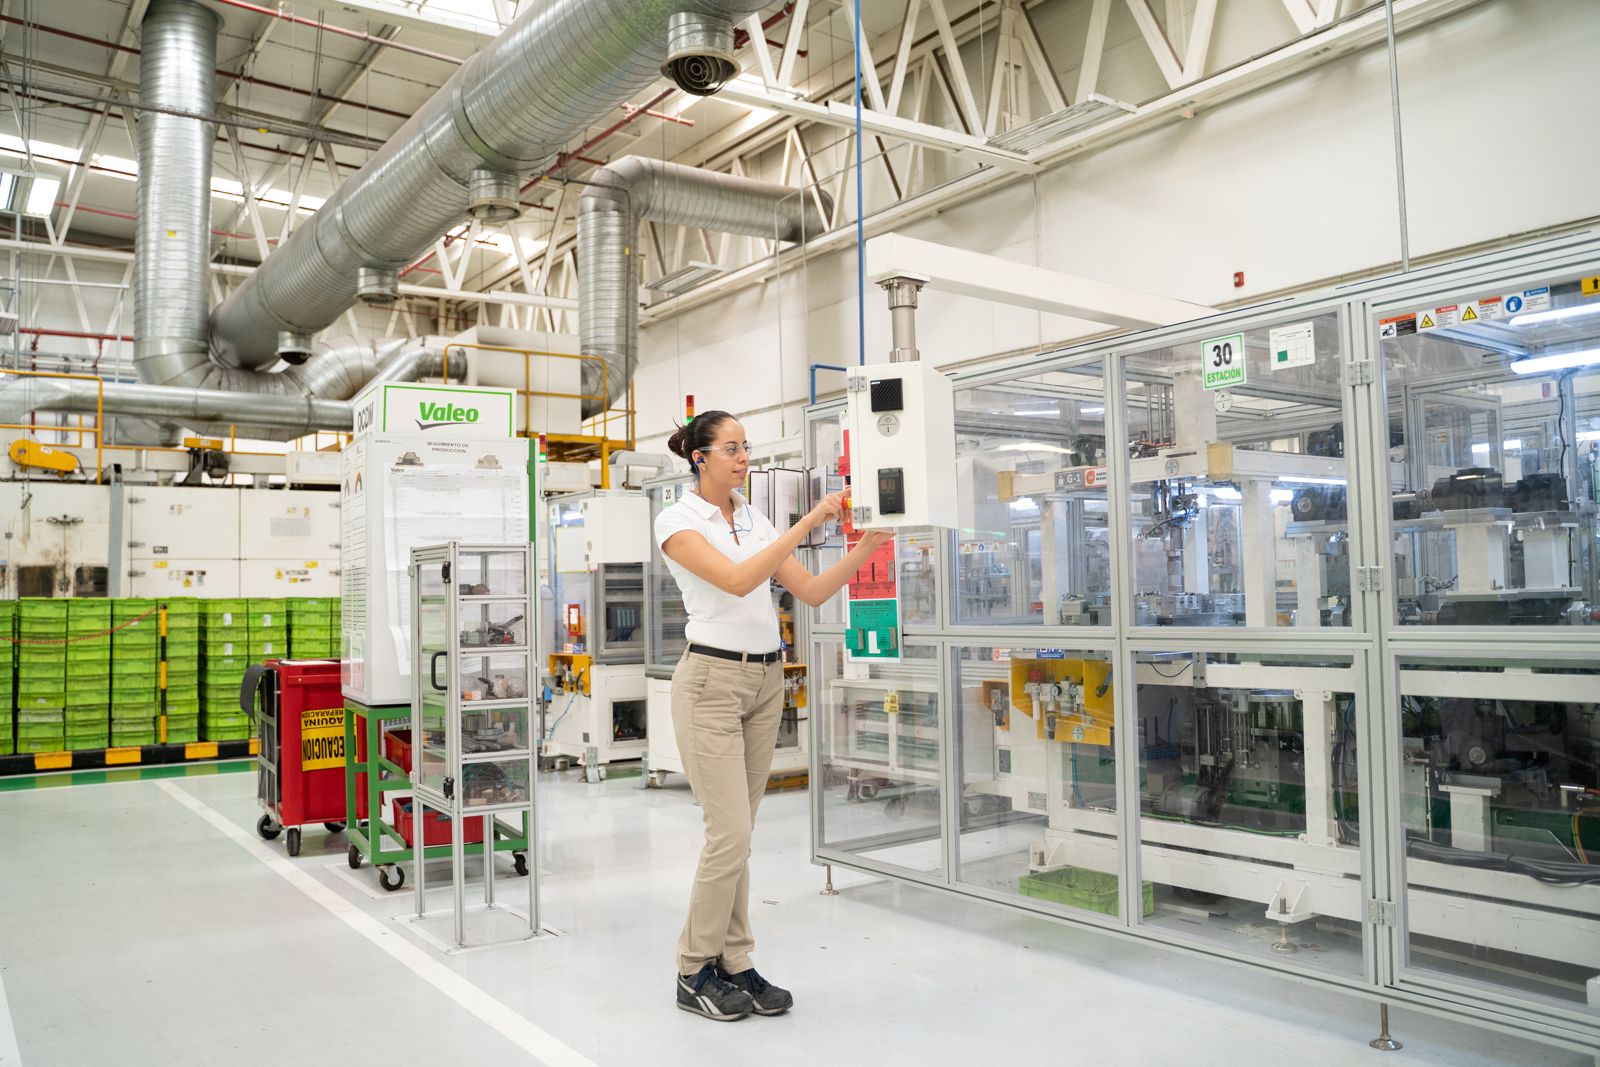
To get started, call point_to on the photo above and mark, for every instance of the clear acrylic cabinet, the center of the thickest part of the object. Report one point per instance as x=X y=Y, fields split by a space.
x=472 y=709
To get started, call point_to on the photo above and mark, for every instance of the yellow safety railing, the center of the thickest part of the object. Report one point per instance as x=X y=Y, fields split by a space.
x=527 y=392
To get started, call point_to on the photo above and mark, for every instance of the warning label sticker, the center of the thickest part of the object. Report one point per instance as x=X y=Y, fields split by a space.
x=1489 y=308
x=322 y=739
x=1399 y=326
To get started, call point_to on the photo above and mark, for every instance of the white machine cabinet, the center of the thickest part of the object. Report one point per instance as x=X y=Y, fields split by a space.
x=427 y=464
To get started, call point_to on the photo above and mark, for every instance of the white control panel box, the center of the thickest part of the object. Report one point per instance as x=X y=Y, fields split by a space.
x=901 y=418
x=429 y=464
x=616 y=529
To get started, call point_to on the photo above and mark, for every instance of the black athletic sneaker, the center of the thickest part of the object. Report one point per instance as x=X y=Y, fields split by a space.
x=706 y=993
x=768 y=998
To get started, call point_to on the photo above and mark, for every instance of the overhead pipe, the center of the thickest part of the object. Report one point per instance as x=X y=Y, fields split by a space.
x=559 y=68
x=172 y=262
x=633 y=190
x=256 y=414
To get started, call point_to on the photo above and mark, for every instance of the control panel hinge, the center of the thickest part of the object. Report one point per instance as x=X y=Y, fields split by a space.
x=860 y=516
x=1381 y=912
x=1358 y=372
x=855 y=383
x=1370 y=579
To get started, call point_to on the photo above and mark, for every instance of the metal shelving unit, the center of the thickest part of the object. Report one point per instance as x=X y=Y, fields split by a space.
x=472 y=718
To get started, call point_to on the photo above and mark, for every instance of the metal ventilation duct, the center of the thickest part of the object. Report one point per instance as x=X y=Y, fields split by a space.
x=172 y=260
x=628 y=192
x=561 y=66
x=325 y=407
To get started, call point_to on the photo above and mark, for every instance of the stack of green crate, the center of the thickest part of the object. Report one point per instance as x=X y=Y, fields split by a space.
x=41 y=675
x=135 y=672
x=313 y=627
x=183 y=670
x=8 y=660
x=86 y=712
x=226 y=636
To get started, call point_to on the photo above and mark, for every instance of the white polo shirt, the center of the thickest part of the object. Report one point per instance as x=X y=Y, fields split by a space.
x=722 y=620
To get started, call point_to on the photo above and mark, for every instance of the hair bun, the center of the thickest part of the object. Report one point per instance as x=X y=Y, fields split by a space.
x=677 y=444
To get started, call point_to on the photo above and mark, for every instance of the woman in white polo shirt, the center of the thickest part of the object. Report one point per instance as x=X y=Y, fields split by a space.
x=727 y=694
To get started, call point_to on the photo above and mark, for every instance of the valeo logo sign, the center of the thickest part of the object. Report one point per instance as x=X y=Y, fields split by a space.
x=430 y=415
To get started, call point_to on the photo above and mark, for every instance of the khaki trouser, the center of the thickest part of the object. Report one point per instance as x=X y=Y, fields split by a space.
x=725 y=715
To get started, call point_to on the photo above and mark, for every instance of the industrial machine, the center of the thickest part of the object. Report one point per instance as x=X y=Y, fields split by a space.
x=594 y=642
x=1277 y=633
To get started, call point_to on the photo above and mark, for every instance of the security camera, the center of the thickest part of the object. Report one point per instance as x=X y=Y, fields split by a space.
x=699 y=53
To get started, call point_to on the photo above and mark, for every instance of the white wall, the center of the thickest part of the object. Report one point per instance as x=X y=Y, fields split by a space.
x=1292 y=185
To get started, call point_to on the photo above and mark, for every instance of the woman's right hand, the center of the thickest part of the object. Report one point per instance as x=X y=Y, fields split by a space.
x=829 y=509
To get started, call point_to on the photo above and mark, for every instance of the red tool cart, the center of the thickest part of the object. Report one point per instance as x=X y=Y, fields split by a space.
x=300 y=772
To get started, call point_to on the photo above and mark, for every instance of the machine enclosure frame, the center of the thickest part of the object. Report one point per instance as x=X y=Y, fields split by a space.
x=1374 y=642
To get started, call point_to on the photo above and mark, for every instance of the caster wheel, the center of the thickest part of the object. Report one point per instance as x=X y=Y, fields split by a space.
x=334 y=827
x=384 y=879
x=894 y=807
x=519 y=861
x=293 y=841
x=267 y=828
x=354 y=858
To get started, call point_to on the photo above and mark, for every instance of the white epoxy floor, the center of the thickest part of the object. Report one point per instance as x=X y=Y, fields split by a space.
x=134 y=930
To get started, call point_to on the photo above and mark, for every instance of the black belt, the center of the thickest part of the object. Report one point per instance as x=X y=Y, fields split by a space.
x=741 y=657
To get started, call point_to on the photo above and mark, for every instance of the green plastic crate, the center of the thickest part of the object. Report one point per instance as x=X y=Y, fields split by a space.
x=42 y=669
x=136 y=713
x=79 y=742
x=39 y=714
x=42 y=744
x=40 y=700
x=141 y=637
x=1086 y=890
x=182 y=731
x=41 y=607
x=31 y=731
x=80 y=708
x=187 y=695
x=265 y=650
x=140 y=672
x=125 y=737
x=129 y=606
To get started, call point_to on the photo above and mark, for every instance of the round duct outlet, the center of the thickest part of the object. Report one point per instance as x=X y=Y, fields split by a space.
x=377 y=286
x=699 y=53
x=492 y=196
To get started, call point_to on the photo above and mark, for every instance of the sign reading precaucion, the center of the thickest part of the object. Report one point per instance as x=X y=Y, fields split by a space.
x=322 y=739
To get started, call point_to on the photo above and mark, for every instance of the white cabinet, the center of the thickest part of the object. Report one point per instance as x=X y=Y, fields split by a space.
x=183 y=576
x=294 y=576
x=200 y=522
x=289 y=523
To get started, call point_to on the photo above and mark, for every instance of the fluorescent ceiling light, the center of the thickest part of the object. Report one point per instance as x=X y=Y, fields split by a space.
x=1092 y=411
x=1509 y=446
x=1034 y=446
x=1587 y=357
x=1556 y=314
x=42 y=197
x=13 y=145
x=1092 y=110
x=116 y=166
x=1295 y=479
x=1589 y=435
x=681 y=281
